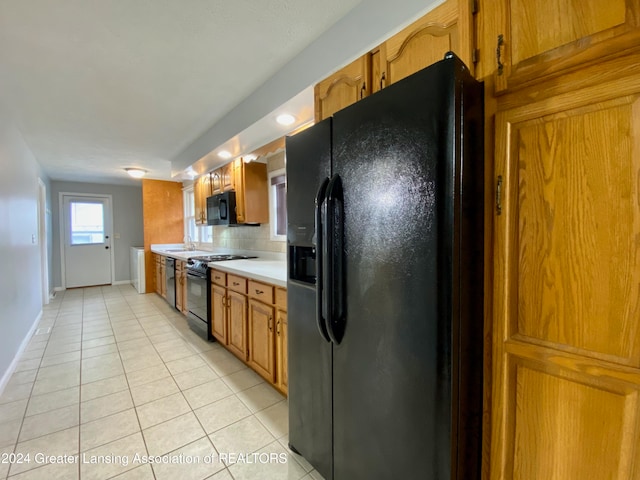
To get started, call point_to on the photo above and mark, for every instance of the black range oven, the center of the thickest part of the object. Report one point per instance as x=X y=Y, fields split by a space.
x=198 y=292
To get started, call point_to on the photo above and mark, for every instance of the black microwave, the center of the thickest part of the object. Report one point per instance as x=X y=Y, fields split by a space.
x=221 y=209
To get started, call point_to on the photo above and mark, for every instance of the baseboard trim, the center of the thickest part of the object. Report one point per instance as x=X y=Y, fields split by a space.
x=121 y=282
x=59 y=289
x=12 y=366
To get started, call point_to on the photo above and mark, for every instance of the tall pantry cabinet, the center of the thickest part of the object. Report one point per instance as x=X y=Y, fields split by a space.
x=563 y=118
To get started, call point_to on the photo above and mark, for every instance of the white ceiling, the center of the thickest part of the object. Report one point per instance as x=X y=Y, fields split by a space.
x=99 y=85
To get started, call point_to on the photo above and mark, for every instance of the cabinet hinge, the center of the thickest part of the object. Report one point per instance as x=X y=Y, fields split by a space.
x=475 y=55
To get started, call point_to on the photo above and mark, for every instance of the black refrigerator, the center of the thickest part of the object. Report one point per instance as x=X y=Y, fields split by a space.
x=385 y=288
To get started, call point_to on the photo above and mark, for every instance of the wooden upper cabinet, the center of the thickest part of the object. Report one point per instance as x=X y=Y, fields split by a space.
x=216 y=181
x=566 y=301
x=343 y=88
x=202 y=190
x=252 y=193
x=228 y=177
x=522 y=41
x=425 y=42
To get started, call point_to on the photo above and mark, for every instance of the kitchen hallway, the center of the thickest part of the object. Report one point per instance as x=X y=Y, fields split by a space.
x=115 y=385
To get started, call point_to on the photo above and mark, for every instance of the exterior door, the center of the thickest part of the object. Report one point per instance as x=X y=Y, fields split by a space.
x=86 y=239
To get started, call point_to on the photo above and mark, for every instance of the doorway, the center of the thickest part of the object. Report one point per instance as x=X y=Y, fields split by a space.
x=42 y=240
x=85 y=239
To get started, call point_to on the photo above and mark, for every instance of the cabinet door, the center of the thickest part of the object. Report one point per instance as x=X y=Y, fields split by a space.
x=523 y=40
x=282 y=381
x=201 y=190
x=185 y=307
x=343 y=88
x=237 y=311
x=179 y=289
x=238 y=168
x=219 y=314
x=216 y=181
x=261 y=339
x=157 y=272
x=566 y=331
x=163 y=278
x=425 y=42
x=227 y=177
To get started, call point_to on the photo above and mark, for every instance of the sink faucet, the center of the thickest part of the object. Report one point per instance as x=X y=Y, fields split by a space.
x=188 y=244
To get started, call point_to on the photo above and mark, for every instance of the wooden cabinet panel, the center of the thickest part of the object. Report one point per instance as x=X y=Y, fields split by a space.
x=544 y=38
x=281 y=298
x=219 y=278
x=216 y=181
x=566 y=295
x=202 y=190
x=551 y=415
x=343 y=88
x=261 y=339
x=260 y=291
x=575 y=222
x=424 y=43
x=282 y=367
x=227 y=176
x=236 y=283
x=237 y=323
x=219 y=314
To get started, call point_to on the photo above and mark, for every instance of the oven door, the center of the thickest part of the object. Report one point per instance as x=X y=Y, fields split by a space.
x=197 y=293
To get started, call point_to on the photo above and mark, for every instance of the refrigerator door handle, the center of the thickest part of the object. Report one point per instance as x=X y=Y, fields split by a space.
x=320 y=290
x=333 y=264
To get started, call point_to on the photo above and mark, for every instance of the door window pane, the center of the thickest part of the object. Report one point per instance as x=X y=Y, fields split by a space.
x=87 y=223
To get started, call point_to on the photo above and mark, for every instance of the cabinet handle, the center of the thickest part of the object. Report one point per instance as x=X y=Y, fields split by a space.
x=499 y=54
x=259 y=292
x=235 y=284
x=383 y=82
x=363 y=90
x=499 y=196
x=278 y=327
x=271 y=323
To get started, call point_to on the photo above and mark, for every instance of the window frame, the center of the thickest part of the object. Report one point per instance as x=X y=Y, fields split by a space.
x=273 y=224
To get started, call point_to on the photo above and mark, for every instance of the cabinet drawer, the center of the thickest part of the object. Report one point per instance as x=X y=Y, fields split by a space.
x=281 y=298
x=238 y=284
x=219 y=278
x=261 y=291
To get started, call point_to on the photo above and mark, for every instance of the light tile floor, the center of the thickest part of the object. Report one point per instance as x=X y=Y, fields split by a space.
x=112 y=377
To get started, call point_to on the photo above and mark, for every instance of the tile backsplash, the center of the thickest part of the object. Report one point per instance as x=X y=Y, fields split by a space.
x=246 y=238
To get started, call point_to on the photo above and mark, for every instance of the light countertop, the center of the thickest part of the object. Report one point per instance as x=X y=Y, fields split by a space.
x=265 y=268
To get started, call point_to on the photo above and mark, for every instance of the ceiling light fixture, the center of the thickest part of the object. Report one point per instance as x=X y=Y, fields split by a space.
x=285 y=119
x=224 y=154
x=136 y=172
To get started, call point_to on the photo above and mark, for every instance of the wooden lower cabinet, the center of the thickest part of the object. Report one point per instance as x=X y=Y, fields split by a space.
x=219 y=313
x=181 y=287
x=261 y=339
x=237 y=324
x=566 y=301
x=160 y=276
x=282 y=382
x=249 y=319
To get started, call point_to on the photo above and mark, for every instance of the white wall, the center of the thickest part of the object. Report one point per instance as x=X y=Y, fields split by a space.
x=20 y=282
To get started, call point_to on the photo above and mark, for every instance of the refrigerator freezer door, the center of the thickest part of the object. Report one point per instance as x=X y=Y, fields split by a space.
x=394 y=401
x=310 y=363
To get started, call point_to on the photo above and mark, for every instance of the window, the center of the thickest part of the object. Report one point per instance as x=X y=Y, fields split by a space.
x=189 y=214
x=196 y=233
x=87 y=223
x=278 y=205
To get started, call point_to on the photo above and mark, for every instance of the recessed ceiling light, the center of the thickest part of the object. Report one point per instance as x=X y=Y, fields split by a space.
x=285 y=119
x=224 y=154
x=136 y=172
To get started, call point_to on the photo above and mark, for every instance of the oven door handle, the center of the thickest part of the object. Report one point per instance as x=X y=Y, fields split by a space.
x=193 y=275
